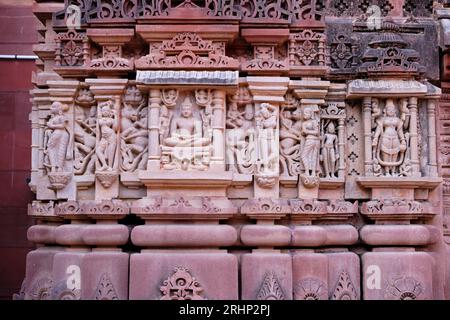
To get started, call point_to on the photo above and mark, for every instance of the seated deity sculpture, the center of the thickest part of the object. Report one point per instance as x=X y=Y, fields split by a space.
x=185 y=130
x=186 y=144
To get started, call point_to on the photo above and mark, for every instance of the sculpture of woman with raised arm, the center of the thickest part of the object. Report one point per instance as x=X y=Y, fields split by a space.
x=108 y=124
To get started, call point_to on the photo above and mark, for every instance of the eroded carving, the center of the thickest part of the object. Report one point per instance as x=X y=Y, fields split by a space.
x=403 y=288
x=310 y=289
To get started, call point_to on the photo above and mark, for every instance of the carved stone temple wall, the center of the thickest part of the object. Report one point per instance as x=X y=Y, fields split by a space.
x=252 y=149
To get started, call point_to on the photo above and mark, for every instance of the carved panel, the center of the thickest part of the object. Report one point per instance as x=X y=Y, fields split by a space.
x=187 y=50
x=181 y=286
x=307 y=49
x=72 y=49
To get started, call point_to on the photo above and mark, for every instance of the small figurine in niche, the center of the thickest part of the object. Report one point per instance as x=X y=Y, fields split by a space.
x=311 y=145
x=330 y=151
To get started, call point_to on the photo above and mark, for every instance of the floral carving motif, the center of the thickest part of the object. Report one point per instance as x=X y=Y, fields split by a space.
x=342 y=52
x=181 y=286
x=270 y=288
x=344 y=288
x=186 y=50
x=72 y=48
x=105 y=289
x=307 y=48
x=403 y=288
x=311 y=289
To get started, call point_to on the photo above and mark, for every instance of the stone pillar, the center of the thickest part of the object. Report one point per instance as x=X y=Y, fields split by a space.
x=154 y=105
x=367 y=119
x=218 y=127
x=341 y=143
x=432 y=143
x=414 y=147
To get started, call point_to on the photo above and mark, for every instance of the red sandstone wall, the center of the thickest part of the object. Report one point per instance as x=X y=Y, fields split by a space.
x=18 y=33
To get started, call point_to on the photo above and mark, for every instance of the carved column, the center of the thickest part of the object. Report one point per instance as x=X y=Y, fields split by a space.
x=218 y=130
x=367 y=114
x=341 y=135
x=154 y=104
x=432 y=143
x=414 y=146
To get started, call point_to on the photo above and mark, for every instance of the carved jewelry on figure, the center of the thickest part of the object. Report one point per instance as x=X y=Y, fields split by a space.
x=134 y=135
x=310 y=146
x=187 y=142
x=240 y=134
x=85 y=133
x=267 y=165
x=390 y=143
x=58 y=146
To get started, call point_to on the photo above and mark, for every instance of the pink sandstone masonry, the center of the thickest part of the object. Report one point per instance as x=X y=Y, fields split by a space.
x=261 y=149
